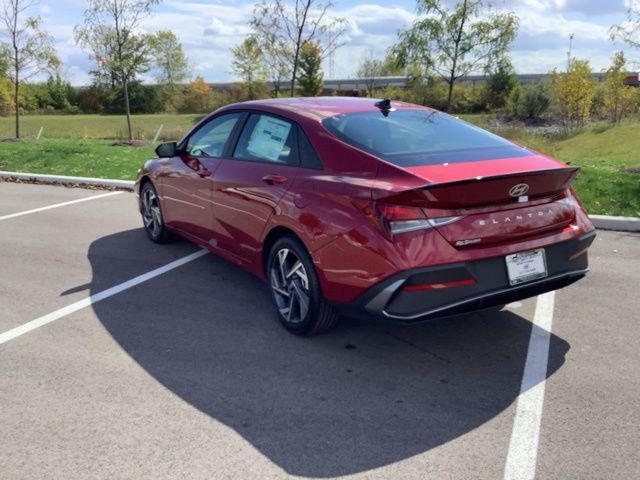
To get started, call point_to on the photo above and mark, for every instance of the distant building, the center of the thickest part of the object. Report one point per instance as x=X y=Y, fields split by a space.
x=358 y=86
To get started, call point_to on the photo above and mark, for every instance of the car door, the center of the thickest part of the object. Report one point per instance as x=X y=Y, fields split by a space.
x=249 y=185
x=187 y=186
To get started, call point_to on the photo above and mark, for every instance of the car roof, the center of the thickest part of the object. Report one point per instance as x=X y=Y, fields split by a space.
x=318 y=108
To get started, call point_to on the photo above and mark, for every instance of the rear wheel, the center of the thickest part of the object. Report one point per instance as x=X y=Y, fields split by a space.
x=296 y=290
x=152 y=214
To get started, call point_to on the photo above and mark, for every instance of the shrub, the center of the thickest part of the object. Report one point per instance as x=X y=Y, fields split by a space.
x=6 y=96
x=90 y=99
x=142 y=99
x=529 y=101
x=199 y=98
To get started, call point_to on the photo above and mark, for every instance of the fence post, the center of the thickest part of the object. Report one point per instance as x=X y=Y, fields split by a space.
x=39 y=133
x=155 y=139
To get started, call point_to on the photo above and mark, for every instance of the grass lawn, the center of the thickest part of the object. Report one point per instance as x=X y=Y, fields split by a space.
x=81 y=158
x=602 y=152
x=99 y=126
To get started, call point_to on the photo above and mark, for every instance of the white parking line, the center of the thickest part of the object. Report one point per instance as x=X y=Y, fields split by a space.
x=64 y=204
x=85 y=302
x=523 y=448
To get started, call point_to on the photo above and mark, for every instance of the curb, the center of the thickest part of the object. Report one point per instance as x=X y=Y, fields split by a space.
x=602 y=222
x=622 y=224
x=68 y=181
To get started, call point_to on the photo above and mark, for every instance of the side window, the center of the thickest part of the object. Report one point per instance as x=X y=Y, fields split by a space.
x=267 y=139
x=210 y=139
x=308 y=156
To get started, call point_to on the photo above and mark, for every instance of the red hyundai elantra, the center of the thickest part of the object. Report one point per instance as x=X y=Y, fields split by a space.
x=370 y=208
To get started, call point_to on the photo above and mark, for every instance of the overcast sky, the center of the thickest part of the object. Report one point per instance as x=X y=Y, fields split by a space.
x=207 y=29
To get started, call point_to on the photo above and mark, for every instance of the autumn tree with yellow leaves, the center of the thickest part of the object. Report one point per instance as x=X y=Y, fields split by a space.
x=618 y=99
x=573 y=92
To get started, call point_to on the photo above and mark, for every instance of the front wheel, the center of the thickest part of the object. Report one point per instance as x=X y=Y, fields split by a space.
x=296 y=290
x=152 y=214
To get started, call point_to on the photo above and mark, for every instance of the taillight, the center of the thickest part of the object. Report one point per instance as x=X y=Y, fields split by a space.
x=402 y=219
x=397 y=219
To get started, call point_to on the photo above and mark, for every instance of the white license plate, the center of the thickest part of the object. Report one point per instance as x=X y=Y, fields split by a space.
x=526 y=266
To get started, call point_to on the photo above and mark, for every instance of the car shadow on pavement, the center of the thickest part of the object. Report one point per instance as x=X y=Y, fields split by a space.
x=359 y=397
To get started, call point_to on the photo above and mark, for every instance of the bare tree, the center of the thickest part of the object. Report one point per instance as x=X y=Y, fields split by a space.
x=109 y=34
x=275 y=56
x=629 y=31
x=370 y=68
x=28 y=51
x=293 y=24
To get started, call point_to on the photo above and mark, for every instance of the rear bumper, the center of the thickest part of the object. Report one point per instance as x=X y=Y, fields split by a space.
x=566 y=263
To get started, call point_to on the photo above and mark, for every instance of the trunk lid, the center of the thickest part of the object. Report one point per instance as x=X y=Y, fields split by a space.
x=497 y=200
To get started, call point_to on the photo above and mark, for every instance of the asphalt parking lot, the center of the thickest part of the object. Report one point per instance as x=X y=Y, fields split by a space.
x=185 y=373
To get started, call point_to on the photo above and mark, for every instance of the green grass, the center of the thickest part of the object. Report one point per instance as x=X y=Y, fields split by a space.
x=82 y=158
x=602 y=152
x=99 y=126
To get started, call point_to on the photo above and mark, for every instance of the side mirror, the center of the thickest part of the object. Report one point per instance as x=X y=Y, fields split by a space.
x=167 y=150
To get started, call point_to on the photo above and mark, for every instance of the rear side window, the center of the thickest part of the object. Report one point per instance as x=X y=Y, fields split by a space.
x=266 y=138
x=210 y=139
x=420 y=137
x=308 y=156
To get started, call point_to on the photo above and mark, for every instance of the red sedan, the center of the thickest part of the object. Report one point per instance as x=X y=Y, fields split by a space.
x=370 y=208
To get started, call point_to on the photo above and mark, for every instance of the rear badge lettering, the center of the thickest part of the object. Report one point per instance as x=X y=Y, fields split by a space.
x=517 y=218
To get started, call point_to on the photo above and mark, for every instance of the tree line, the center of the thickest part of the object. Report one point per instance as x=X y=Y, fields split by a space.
x=288 y=43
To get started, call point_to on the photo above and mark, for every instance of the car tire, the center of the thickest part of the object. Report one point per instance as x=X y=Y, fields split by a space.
x=292 y=277
x=152 y=218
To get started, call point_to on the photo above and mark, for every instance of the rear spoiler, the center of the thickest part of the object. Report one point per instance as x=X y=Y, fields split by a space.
x=489 y=191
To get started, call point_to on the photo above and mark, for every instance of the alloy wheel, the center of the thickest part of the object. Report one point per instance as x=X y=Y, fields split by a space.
x=151 y=212
x=290 y=286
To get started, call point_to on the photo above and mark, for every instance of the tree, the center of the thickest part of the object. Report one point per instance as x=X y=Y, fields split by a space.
x=573 y=92
x=502 y=81
x=629 y=31
x=170 y=64
x=109 y=34
x=291 y=25
x=58 y=91
x=370 y=68
x=310 y=69
x=618 y=98
x=453 y=40
x=276 y=55
x=248 y=63
x=29 y=50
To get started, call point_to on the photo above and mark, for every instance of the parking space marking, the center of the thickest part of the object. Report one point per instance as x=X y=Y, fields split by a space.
x=85 y=302
x=57 y=205
x=523 y=447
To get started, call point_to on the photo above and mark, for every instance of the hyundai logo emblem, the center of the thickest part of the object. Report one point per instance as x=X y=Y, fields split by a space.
x=519 y=190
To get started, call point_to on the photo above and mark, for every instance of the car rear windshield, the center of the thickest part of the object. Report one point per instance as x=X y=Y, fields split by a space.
x=420 y=137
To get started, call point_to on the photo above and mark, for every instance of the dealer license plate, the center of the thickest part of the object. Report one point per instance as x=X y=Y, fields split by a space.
x=526 y=266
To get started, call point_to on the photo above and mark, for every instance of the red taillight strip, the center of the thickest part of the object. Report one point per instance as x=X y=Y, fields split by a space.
x=436 y=286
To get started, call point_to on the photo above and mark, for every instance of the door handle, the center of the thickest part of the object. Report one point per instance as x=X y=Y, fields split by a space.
x=274 y=179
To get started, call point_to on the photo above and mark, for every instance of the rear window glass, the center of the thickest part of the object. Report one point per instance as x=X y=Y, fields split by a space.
x=420 y=137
